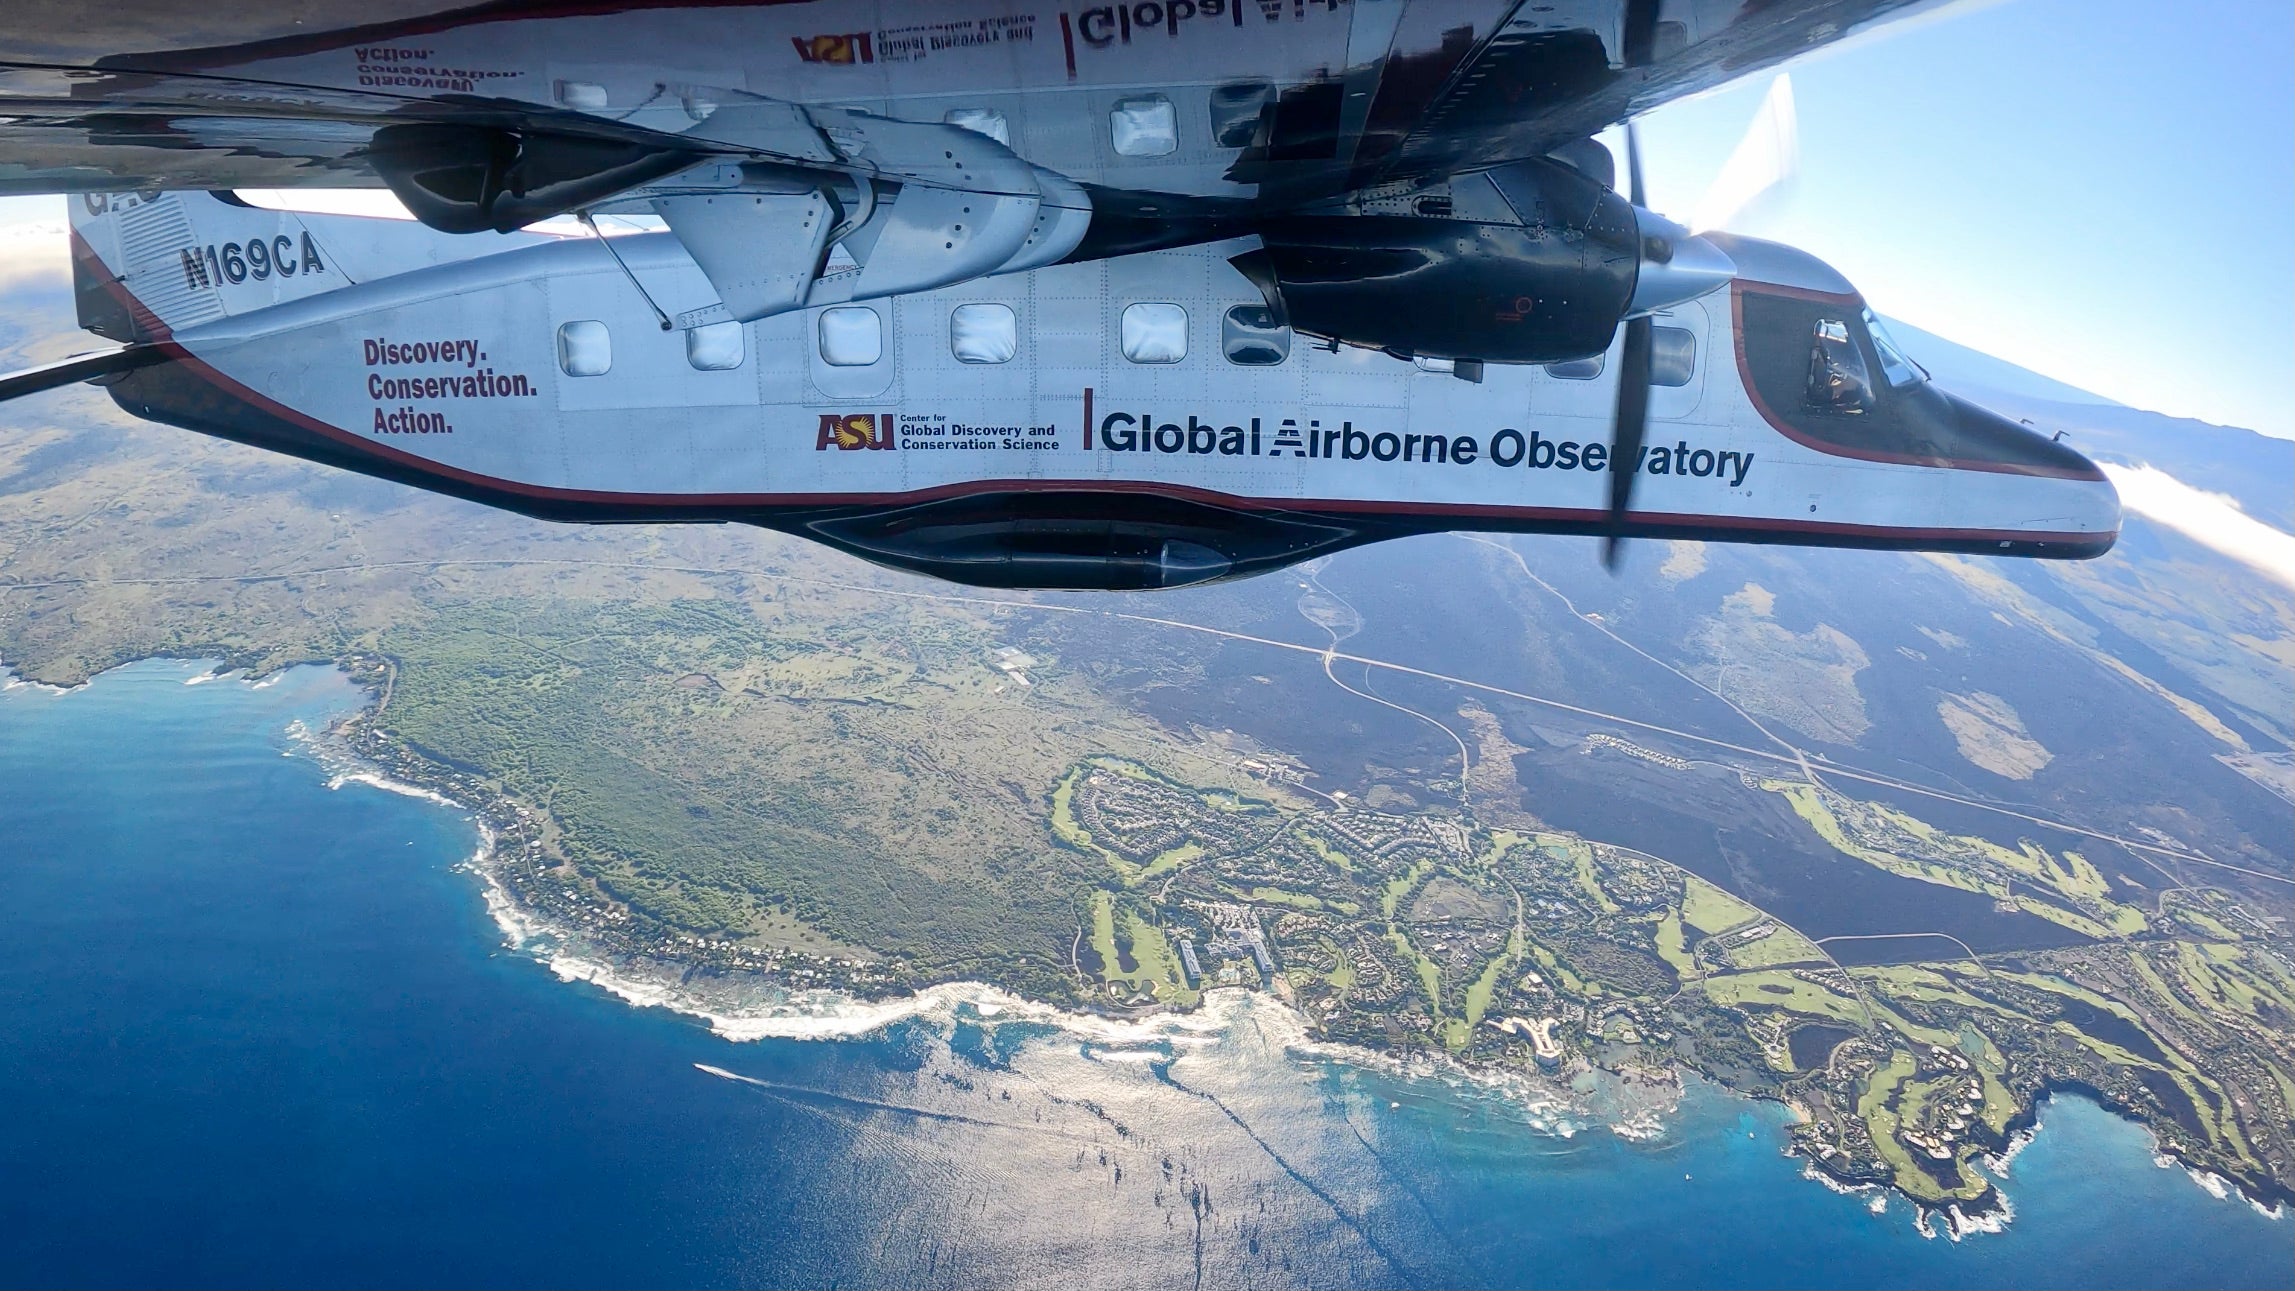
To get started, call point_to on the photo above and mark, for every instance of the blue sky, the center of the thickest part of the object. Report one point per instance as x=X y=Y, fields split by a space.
x=2100 y=190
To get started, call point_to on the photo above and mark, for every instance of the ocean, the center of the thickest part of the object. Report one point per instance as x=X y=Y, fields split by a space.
x=258 y=1027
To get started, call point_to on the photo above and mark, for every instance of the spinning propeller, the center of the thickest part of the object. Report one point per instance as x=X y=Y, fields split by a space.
x=1764 y=163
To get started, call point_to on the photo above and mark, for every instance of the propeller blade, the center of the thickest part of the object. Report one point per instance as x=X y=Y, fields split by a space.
x=1765 y=163
x=1634 y=192
x=1627 y=431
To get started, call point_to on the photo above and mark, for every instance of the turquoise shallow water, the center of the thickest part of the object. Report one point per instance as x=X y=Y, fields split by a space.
x=261 y=1032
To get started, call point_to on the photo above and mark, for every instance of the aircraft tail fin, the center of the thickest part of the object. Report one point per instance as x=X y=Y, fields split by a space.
x=146 y=265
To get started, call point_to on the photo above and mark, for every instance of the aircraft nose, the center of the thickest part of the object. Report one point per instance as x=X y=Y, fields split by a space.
x=1677 y=265
x=2081 y=498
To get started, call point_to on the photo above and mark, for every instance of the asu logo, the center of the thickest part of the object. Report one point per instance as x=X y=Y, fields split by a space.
x=848 y=48
x=853 y=431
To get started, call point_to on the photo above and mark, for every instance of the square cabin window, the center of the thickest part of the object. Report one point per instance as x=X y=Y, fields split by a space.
x=983 y=333
x=987 y=121
x=1673 y=356
x=584 y=348
x=582 y=96
x=1252 y=338
x=852 y=336
x=715 y=347
x=1576 y=369
x=1153 y=332
x=1144 y=127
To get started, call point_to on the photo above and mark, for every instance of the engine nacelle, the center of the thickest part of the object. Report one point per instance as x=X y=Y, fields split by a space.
x=1536 y=262
x=1533 y=263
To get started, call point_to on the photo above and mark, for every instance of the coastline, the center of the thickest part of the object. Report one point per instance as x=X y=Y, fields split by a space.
x=741 y=1004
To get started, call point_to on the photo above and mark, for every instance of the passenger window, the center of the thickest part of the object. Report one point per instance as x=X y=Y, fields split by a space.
x=585 y=349
x=987 y=121
x=715 y=347
x=1673 y=356
x=1235 y=111
x=582 y=96
x=1576 y=369
x=1144 y=127
x=983 y=333
x=1838 y=379
x=1253 y=337
x=1154 y=333
x=852 y=336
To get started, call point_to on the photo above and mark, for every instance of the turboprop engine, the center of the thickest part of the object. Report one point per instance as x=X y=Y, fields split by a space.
x=1531 y=263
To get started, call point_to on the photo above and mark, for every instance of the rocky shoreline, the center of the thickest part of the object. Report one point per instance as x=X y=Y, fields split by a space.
x=746 y=993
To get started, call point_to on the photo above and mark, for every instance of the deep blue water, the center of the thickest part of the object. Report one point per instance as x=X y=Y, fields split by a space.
x=254 y=1031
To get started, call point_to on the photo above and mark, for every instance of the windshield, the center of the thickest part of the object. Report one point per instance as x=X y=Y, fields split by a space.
x=1896 y=365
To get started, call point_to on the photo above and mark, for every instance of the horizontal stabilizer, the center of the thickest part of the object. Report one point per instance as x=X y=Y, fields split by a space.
x=79 y=367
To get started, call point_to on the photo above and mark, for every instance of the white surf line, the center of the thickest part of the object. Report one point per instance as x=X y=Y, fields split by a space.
x=1831 y=767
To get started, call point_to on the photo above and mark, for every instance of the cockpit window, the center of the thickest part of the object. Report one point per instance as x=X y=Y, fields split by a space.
x=1896 y=365
x=1839 y=382
x=1811 y=376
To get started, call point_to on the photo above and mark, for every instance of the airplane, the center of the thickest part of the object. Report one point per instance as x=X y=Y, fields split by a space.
x=1117 y=296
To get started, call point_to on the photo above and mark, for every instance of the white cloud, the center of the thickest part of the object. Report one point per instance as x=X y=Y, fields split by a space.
x=2210 y=519
x=34 y=250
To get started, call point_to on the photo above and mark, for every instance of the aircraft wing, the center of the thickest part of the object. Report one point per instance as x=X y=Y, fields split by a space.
x=1276 y=102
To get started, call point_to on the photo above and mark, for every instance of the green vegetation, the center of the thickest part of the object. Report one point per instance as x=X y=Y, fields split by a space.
x=1709 y=909
x=745 y=753
x=1788 y=991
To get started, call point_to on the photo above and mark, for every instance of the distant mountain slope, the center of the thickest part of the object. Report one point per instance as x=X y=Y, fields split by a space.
x=1960 y=367
x=2256 y=469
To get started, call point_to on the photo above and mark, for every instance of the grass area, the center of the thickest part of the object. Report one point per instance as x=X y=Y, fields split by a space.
x=1155 y=968
x=1918 y=850
x=2057 y=914
x=1332 y=856
x=1893 y=1099
x=1552 y=965
x=1429 y=972
x=1581 y=854
x=1999 y=1102
x=1479 y=993
x=1809 y=804
x=1709 y=909
x=1402 y=886
x=2185 y=910
x=1103 y=933
x=1158 y=961
x=1782 y=990
x=1673 y=948
x=1073 y=833
x=1783 y=946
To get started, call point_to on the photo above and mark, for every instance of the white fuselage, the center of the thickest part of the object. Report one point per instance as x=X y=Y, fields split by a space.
x=533 y=366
